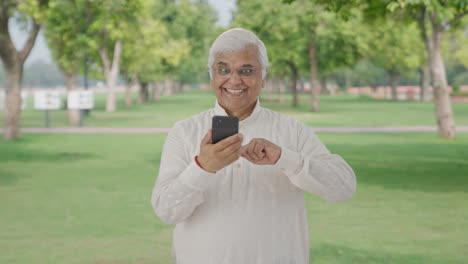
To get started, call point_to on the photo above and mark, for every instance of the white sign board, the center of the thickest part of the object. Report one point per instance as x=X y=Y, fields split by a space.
x=47 y=100
x=24 y=100
x=83 y=99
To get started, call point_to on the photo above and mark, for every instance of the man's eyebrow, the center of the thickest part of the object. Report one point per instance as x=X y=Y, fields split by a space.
x=247 y=66
x=222 y=63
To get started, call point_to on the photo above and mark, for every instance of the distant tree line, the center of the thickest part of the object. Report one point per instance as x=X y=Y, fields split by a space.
x=364 y=73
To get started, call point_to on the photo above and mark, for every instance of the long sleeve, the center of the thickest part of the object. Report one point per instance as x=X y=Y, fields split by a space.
x=180 y=183
x=314 y=169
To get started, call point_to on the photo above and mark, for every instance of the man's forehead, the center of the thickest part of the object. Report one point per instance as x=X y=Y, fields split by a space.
x=222 y=63
x=244 y=57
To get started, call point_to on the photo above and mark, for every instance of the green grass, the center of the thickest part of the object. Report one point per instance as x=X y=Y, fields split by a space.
x=85 y=199
x=344 y=110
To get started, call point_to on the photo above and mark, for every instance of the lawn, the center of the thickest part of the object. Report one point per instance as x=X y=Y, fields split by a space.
x=344 y=110
x=85 y=199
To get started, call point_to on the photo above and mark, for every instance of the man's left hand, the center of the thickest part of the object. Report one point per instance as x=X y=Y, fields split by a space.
x=261 y=152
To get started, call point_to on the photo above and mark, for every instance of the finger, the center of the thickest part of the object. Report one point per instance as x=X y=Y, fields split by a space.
x=232 y=157
x=259 y=149
x=248 y=157
x=243 y=149
x=251 y=149
x=233 y=148
x=221 y=145
x=207 y=138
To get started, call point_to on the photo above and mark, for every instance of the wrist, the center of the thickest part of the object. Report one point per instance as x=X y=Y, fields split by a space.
x=278 y=156
x=202 y=164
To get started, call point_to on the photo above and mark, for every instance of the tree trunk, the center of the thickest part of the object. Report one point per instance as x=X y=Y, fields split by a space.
x=424 y=82
x=128 y=94
x=177 y=87
x=443 y=105
x=282 y=91
x=13 y=61
x=347 y=79
x=394 y=80
x=314 y=83
x=169 y=86
x=129 y=89
x=425 y=68
x=156 y=92
x=12 y=109
x=269 y=89
x=144 y=93
x=276 y=86
x=323 y=86
x=111 y=72
x=73 y=114
x=293 y=83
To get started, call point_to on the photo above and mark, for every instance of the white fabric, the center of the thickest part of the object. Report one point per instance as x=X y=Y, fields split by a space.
x=246 y=213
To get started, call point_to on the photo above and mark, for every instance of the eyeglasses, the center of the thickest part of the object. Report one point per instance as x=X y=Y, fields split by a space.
x=243 y=73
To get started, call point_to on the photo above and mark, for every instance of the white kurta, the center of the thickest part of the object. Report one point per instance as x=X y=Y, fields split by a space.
x=246 y=213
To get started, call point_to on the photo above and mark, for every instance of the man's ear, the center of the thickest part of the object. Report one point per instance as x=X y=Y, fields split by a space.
x=263 y=83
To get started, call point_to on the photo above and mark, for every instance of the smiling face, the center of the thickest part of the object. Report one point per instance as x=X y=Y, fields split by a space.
x=237 y=80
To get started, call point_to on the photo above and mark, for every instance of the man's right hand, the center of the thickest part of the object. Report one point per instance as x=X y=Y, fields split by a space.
x=214 y=157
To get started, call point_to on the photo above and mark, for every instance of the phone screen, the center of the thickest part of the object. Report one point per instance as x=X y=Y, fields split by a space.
x=223 y=127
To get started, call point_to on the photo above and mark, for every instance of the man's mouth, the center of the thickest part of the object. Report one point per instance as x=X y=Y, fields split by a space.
x=231 y=91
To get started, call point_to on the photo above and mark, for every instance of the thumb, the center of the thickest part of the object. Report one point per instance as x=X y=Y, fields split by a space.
x=207 y=138
x=243 y=149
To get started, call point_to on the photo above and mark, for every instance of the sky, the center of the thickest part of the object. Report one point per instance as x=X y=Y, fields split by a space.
x=42 y=52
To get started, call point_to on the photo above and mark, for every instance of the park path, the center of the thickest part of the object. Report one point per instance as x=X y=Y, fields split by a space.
x=160 y=130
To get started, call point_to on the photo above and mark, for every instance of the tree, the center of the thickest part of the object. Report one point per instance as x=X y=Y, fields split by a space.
x=192 y=23
x=436 y=17
x=65 y=33
x=335 y=43
x=110 y=22
x=276 y=24
x=195 y=22
x=396 y=48
x=150 y=50
x=305 y=37
x=32 y=12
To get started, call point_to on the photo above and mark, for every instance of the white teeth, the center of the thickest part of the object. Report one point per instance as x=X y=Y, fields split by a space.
x=234 y=91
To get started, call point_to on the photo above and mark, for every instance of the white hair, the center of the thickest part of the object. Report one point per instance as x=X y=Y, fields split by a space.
x=235 y=40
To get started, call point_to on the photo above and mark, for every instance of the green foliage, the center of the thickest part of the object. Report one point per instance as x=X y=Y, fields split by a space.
x=34 y=9
x=171 y=39
x=396 y=47
x=365 y=73
x=444 y=11
x=109 y=21
x=288 y=30
x=66 y=33
x=148 y=46
x=278 y=27
x=192 y=23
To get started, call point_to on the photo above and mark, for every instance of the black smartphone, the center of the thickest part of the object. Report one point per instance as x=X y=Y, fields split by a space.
x=223 y=127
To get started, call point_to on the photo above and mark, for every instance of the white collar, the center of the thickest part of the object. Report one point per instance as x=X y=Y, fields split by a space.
x=219 y=110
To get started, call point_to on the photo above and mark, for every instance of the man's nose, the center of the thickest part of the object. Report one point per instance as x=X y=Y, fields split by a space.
x=234 y=78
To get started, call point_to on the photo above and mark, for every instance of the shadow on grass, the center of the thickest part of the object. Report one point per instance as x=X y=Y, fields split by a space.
x=10 y=153
x=19 y=151
x=7 y=177
x=327 y=253
x=427 y=167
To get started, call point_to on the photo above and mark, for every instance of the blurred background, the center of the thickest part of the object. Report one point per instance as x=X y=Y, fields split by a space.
x=89 y=89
